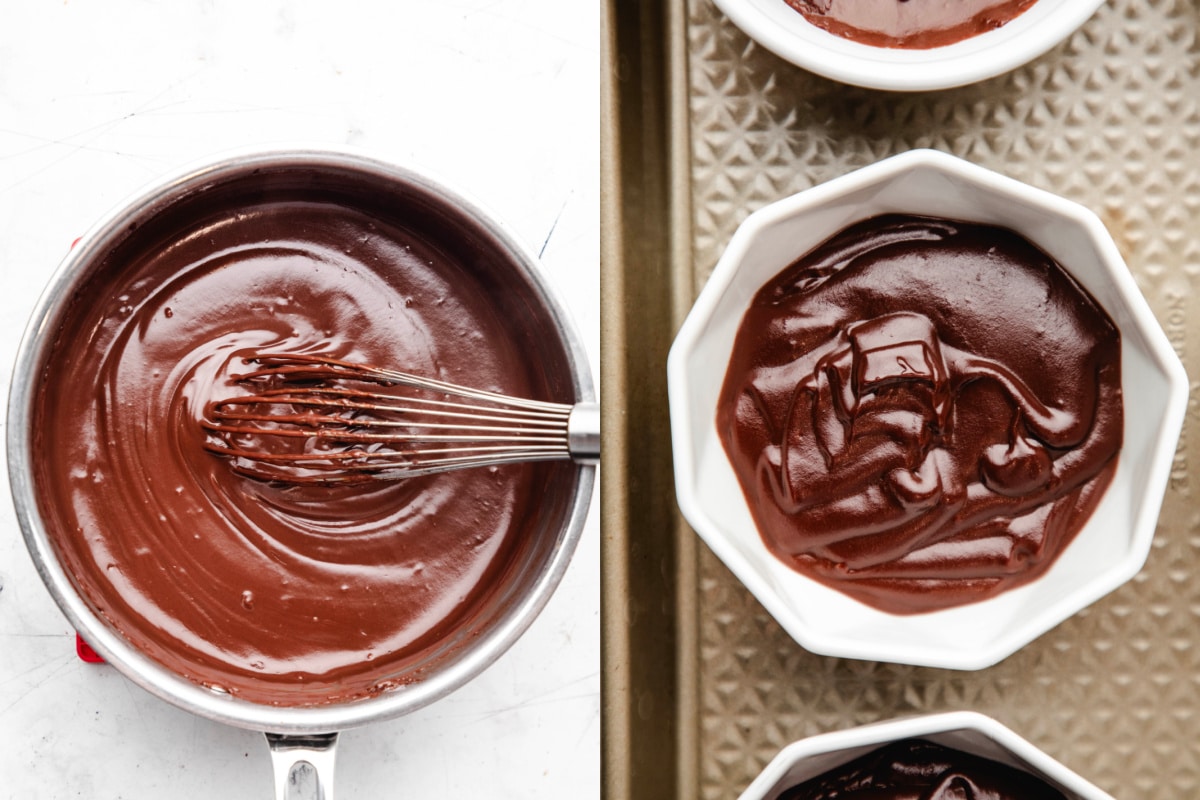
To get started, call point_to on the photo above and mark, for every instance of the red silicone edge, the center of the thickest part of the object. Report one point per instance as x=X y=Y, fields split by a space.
x=85 y=651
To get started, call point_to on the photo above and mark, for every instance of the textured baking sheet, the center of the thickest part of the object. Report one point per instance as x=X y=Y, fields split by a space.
x=1110 y=118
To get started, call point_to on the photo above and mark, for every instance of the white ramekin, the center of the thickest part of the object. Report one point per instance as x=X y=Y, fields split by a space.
x=1108 y=551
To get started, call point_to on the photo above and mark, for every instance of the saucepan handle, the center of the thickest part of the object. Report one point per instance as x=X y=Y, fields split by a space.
x=303 y=765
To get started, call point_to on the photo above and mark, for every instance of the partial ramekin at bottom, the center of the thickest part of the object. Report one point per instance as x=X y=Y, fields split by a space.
x=967 y=731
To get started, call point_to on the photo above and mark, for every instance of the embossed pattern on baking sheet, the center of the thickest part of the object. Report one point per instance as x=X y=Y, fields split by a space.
x=1110 y=118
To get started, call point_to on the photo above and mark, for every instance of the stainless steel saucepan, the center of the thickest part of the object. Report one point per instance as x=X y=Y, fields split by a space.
x=302 y=739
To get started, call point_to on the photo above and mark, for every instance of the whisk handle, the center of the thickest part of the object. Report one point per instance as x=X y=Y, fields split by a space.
x=583 y=433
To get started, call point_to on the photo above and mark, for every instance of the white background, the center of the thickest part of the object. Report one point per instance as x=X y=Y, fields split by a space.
x=501 y=97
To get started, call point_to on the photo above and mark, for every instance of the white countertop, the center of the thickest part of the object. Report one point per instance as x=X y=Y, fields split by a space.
x=500 y=97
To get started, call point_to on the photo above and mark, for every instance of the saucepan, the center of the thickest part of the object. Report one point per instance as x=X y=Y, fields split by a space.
x=302 y=732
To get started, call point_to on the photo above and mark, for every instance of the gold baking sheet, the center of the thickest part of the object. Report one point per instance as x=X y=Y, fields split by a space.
x=702 y=688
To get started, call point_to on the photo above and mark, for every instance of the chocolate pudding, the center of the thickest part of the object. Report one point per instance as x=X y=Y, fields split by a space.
x=290 y=595
x=916 y=769
x=910 y=24
x=922 y=413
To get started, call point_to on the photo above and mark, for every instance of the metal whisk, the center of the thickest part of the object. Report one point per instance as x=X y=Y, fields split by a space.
x=317 y=420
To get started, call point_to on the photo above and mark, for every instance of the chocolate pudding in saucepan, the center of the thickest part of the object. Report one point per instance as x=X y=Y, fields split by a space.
x=281 y=594
x=922 y=413
x=916 y=769
x=911 y=24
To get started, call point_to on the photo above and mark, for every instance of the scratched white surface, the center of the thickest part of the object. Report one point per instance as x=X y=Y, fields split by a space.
x=97 y=99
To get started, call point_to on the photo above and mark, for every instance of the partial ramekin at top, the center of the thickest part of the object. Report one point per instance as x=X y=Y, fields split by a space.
x=961 y=730
x=784 y=31
x=1109 y=550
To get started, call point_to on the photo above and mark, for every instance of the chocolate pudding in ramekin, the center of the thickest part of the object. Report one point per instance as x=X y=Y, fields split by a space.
x=905 y=372
x=909 y=24
x=923 y=412
x=283 y=607
x=908 y=45
x=948 y=756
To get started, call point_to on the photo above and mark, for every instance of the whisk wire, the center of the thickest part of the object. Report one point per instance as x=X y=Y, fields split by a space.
x=347 y=434
x=323 y=368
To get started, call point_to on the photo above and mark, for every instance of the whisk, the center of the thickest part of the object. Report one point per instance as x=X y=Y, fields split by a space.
x=310 y=419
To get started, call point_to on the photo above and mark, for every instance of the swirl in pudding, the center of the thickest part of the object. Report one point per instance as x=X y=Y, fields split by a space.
x=289 y=595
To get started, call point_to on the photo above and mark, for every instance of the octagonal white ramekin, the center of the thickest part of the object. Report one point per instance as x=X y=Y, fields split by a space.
x=1107 y=552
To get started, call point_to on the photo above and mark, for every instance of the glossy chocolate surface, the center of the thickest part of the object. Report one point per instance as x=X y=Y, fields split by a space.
x=289 y=595
x=916 y=769
x=911 y=24
x=922 y=413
